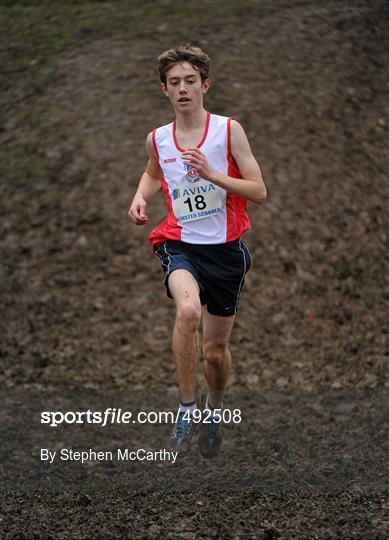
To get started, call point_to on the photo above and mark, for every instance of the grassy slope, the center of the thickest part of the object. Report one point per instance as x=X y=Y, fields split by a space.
x=32 y=34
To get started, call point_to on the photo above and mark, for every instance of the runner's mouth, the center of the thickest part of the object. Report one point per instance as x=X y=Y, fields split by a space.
x=183 y=100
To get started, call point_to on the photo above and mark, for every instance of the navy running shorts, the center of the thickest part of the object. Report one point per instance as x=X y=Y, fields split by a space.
x=219 y=270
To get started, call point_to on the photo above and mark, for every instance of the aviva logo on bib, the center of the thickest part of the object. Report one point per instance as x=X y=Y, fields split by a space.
x=187 y=192
x=176 y=194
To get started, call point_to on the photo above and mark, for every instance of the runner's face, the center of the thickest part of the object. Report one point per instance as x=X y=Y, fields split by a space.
x=184 y=87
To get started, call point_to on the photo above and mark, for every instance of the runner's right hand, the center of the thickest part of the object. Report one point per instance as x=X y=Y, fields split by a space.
x=137 y=211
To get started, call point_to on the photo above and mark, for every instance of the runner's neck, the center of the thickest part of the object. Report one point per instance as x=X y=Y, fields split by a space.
x=191 y=135
x=191 y=122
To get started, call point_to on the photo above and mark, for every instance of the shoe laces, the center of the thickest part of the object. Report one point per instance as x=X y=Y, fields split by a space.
x=183 y=427
x=215 y=427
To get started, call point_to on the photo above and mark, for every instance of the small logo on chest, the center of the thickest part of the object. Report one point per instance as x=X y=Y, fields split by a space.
x=191 y=174
x=170 y=160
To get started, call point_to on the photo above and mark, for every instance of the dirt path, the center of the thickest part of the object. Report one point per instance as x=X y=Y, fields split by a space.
x=87 y=320
x=298 y=466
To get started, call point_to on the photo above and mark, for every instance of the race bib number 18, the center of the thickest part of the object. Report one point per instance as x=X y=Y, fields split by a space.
x=196 y=201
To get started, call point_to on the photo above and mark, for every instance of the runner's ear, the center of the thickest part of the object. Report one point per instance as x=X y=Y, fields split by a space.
x=206 y=85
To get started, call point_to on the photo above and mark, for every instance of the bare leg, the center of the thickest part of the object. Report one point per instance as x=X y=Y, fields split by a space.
x=186 y=294
x=217 y=357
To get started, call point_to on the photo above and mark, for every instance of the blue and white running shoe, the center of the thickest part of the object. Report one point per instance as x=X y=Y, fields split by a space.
x=181 y=435
x=210 y=436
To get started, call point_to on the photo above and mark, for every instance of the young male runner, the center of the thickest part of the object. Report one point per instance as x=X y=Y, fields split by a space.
x=207 y=172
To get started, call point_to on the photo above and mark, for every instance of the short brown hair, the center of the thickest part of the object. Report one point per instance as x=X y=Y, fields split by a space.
x=184 y=53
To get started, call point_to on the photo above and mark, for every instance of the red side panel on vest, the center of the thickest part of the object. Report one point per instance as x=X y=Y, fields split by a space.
x=169 y=227
x=237 y=219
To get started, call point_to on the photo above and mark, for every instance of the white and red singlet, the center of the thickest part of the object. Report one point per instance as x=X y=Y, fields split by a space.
x=199 y=212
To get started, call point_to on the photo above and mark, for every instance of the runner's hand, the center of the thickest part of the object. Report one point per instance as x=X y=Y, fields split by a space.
x=137 y=211
x=195 y=157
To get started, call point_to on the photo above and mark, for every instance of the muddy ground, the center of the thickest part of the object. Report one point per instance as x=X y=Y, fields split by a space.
x=85 y=321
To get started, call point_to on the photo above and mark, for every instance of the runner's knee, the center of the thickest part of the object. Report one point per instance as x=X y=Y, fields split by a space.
x=214 y=353
x=188 y=315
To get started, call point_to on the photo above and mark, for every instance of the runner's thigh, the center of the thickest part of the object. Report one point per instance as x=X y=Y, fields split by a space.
x=184 y=287
x=216 y=329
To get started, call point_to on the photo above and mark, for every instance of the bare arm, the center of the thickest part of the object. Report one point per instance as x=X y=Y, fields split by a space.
x=148 y=186
x=251 y=185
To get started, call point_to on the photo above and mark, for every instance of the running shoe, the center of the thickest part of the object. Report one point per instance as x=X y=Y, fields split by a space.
x=211 y=434
x=181 y=435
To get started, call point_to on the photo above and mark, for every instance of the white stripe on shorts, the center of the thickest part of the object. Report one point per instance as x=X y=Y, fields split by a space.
x=169 y=261
x=242 y=280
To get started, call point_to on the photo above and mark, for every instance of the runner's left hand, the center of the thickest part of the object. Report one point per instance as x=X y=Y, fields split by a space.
x=195 y=157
